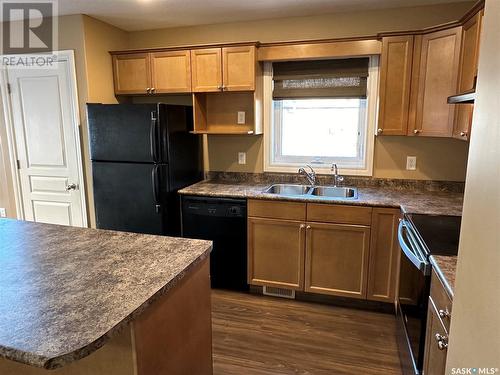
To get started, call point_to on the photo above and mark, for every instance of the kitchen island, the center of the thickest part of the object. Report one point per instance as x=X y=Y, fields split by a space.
x=86 y=301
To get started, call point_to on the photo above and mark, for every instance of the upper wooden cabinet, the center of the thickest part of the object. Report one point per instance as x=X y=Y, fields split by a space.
x=171 y=72
x=207 y=69
x=224 y=69
x=434 y=78
x=395 y=79
x=384 y=255
x=152 y=73
x=238 y=67
x=468 y=72
x=132 y=73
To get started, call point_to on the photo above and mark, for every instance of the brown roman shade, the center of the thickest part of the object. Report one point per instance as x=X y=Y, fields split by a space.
x=339 y=78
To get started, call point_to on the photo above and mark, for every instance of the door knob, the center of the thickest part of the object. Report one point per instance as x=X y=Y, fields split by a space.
x=71 y=187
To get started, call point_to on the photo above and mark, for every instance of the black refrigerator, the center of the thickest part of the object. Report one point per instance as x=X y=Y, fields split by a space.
x=141 y=155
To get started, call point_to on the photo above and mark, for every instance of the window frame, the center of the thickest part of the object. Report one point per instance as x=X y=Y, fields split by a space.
x=322 y=168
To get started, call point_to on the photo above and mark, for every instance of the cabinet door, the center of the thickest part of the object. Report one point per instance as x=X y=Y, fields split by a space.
x=435 y=77
x=384 y=251
x=206 y=66
x=436 y=342
x=337 y=259
x=468 y=73
x=238 y=68
x=171 y=72
x=395 y=79
x=276 y=253
x=131 y=73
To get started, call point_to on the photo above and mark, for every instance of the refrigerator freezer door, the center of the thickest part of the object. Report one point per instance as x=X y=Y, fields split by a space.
x=124 y=132
x=128 y=196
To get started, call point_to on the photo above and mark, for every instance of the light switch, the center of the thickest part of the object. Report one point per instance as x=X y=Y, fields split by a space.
x=241 y=117
x=242 y=157
x=3 y=212
x=411 y=163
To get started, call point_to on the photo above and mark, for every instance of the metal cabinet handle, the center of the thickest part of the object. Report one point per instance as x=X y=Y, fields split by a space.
x=148 y=90
x=442 y=341
x=380 y=131
x=153 y=90
x=444 y=313
x=302 y=226
x=463 y=134
x=71 y=187
x=219 y=87
x=416 y=131
x=308 y=227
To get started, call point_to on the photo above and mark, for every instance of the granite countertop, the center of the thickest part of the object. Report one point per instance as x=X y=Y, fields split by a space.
x=412 y=201
x=445 y=267
x=64 y=291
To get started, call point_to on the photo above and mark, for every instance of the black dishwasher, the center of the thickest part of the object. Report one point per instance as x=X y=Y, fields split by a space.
x=223 y=221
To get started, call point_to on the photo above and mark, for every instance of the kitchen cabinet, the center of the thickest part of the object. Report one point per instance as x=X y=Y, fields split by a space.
x=434 y=78
x=224 y=69
x=132 y=73
x=316 y=248
x=276 y=253
x=395 y=79
x=468 y=72
x=152 y=73
x=171 y=72
x=384 y=255
x=438 y=319
x=207 y=69
x=337 y=259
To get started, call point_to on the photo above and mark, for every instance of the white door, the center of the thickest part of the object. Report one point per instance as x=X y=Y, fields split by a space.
x=45 y=118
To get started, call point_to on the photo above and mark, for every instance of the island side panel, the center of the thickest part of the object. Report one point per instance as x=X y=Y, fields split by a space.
x=174 y=335
x=114 y=358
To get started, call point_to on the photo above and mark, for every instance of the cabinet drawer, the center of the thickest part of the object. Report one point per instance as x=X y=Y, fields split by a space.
x=277 y=210
x=441 y=300
x=331 y=213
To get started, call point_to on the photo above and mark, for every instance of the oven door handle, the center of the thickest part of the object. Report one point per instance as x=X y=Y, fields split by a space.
x=414 y=256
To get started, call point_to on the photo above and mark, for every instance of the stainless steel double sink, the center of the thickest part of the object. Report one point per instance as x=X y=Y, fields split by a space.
x=318 y=191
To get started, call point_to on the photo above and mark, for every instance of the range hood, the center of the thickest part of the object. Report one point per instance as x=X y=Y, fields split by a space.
x=463 y=97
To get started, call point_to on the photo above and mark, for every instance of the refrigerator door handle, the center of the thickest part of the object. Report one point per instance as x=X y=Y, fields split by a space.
x=153 y=137
x=155 y=182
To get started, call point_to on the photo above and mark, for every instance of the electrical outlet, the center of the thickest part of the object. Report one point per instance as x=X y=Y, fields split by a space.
x=411 y=163
x=242 y=157
x=241 y=117
x=3 y=212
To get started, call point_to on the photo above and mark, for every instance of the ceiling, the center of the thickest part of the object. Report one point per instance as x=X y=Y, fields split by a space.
x=132 y=15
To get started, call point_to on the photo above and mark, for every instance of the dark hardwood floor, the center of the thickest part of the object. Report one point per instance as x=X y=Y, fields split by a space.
x=256 y=335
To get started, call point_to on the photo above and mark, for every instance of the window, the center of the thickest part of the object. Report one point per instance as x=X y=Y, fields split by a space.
x=320 y=114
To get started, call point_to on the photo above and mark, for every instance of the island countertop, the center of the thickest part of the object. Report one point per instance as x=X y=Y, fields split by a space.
x=64 y=291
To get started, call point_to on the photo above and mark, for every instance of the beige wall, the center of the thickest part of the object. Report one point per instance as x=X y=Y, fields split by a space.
x=442 y=159
x=475 y=322
x=99 y=39
x=90 y=40
x=301 y=28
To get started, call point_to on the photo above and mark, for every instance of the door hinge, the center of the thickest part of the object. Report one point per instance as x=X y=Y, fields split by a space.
x=18 y=164
x=9 y=89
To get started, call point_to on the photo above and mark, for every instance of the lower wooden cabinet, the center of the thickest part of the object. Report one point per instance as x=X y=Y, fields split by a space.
x=436 y=343
x=337 y=259
x=384 y=255
x=438 y=325
x=276 y=253
x=329 y=249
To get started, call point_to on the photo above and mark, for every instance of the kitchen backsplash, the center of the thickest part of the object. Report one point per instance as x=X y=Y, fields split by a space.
x=262 y=178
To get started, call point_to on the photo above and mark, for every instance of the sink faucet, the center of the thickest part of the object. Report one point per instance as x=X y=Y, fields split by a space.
x=311 y=176
x=336 y=177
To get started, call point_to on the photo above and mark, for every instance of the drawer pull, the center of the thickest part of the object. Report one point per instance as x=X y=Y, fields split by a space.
x=444 y=313
x=442 y=341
